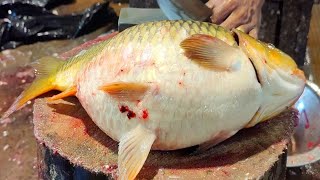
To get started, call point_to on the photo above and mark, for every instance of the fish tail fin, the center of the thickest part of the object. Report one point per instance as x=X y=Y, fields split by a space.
x=46 y=69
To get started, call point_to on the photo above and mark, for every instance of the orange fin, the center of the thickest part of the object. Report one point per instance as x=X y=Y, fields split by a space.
x=211 y=52
x=134 y=148
x=125 y=91
x=68 y=92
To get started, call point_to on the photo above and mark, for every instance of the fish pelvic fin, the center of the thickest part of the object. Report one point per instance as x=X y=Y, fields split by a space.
x=125 y=90
x=134 y=148
x=68 y=92
x=211 y=53
x=45 y=70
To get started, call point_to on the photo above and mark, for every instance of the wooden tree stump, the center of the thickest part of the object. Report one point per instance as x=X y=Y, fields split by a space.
x=71 y=145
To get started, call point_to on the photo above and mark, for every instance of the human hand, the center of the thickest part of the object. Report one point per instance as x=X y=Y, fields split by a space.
x=244 y=15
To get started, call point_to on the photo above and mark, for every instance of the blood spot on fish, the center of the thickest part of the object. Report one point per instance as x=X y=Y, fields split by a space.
x=264 y=61
x=131 y=114
x=310 y=145
x=121 y=71
x=180 y=83
x=138 y=103
x=124 y=109
x=145 y=114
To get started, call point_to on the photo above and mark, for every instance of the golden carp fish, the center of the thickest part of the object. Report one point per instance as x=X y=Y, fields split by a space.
x=172 y=84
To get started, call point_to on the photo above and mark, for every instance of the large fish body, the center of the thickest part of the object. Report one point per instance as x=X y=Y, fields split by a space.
x=186 y=104
x=172 y=84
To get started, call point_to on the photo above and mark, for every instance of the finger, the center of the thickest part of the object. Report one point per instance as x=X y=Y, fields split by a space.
x=247 y=27
x=221 y=12
x=254 y=32
x=211 y=4
x=236 y=19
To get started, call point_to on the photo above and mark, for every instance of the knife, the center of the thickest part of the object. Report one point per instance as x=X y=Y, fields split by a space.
x=185 y=9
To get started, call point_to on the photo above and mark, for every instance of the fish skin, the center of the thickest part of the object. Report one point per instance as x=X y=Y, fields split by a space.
x=187 y=104
x=150 y=53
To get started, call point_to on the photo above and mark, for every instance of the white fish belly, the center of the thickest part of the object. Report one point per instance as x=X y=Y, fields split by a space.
x=185 y=105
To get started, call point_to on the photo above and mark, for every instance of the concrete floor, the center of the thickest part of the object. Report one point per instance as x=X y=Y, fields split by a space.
x=17 y=143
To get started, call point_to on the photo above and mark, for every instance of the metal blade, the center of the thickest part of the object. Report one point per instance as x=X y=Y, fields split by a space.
x=185 y=9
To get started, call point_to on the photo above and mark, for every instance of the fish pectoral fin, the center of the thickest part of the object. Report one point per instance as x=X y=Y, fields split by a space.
x=134 y=148
x=211 y=52
x=125 y=90
x=68 y=92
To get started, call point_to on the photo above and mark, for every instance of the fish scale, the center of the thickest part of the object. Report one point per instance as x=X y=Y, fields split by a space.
x=146 y=31
x=168 y=34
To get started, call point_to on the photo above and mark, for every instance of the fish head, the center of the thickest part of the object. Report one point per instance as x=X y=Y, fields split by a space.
x=282 y=82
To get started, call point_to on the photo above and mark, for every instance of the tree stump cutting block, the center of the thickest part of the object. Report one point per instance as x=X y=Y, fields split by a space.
x=69 y=140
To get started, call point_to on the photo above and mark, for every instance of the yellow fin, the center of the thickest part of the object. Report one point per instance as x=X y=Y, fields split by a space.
x=210 y=52
x=46 y=69
x=125 y=91
x=46 y=65
x=68 y=92
x=134 y=148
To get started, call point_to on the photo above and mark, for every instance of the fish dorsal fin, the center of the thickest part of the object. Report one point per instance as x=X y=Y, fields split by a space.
x=211 y=52
x=46 y=65
x=125 y=90
x=134 y=147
